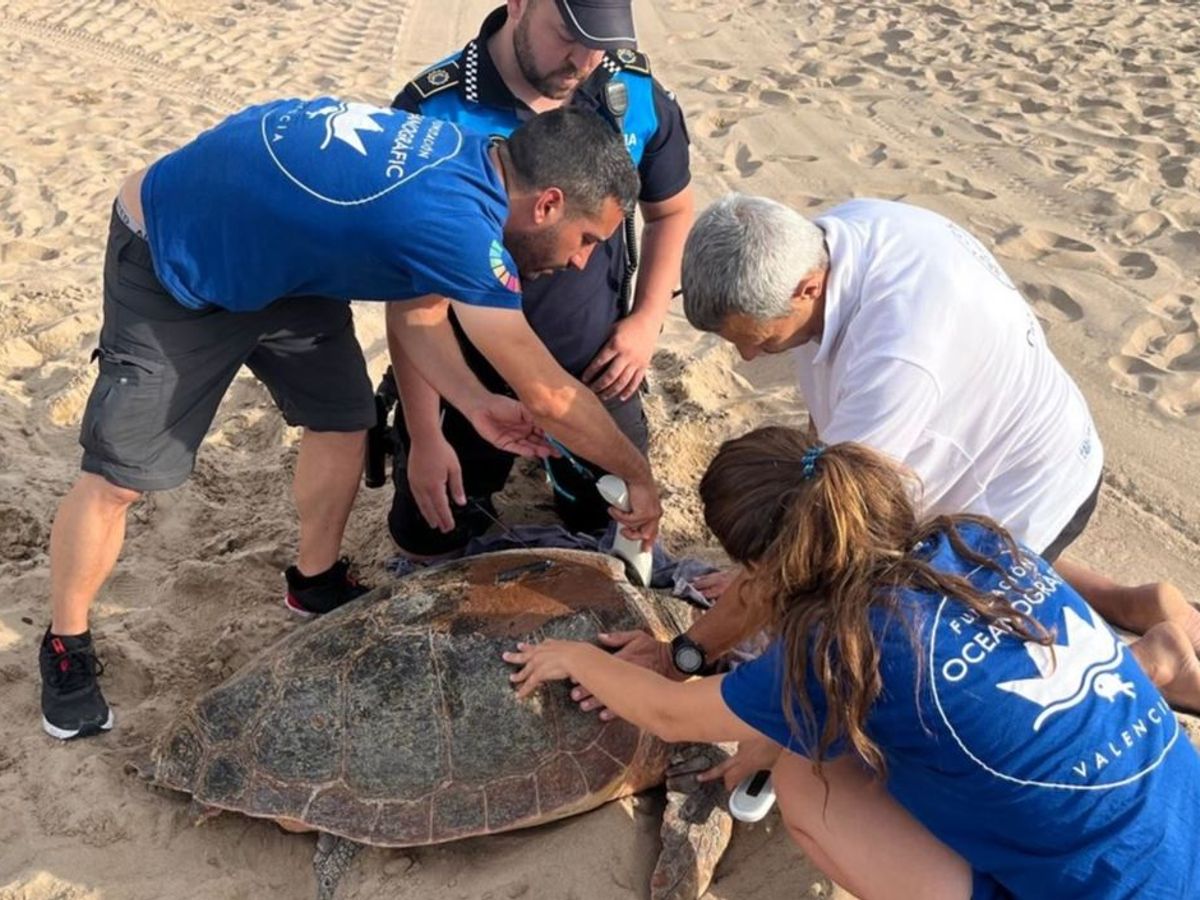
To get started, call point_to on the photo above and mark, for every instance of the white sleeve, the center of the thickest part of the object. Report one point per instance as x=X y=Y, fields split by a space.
x=885 y=404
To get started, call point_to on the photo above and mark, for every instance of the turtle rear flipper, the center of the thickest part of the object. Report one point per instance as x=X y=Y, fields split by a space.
x=333 y=857
x=696 y=825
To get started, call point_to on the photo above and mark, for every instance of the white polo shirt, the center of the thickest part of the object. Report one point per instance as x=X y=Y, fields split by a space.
x=930 y=354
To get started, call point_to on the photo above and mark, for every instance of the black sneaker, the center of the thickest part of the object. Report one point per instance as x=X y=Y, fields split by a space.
x=72 y=705
x=316 y=595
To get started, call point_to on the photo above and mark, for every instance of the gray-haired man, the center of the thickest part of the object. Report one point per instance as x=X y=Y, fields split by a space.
x=910 y=338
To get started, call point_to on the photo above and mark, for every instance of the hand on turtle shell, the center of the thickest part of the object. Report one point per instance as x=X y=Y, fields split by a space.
x=638 y=647
x=547 y=661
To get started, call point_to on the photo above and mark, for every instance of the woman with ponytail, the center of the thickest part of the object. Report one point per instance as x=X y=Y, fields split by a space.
x=943 y=715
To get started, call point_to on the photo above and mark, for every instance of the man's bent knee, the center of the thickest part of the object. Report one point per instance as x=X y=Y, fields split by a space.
x=107 y=492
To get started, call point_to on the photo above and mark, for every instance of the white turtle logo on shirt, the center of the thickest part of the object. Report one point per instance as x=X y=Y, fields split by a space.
x=1068 y=672
x=345 y=120
x=1094 y=722
x=390 y=147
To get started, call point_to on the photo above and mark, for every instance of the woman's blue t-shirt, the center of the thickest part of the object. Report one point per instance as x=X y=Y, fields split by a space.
x=330 y=198
x=1061 y=772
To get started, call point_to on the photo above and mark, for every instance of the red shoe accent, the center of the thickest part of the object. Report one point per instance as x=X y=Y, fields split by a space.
x=58 y=647
x=294 y=605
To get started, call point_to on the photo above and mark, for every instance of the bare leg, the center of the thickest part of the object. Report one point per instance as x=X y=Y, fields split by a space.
x=1168 y=657
x=862 y=838
x=1134 y=608
x=85 y=541
x=326 y=483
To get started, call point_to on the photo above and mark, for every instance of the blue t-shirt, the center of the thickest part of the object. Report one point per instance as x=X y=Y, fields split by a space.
x=332 y=198
x=1061 y=775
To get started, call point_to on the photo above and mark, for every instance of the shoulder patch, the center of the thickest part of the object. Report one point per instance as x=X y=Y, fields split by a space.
x=437 y=79
x=632 y=60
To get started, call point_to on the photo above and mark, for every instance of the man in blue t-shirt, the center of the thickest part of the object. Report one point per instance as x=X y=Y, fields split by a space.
x=531 y=56
x=245 y=247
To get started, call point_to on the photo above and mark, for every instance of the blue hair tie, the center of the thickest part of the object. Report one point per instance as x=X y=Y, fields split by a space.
x=808 y=462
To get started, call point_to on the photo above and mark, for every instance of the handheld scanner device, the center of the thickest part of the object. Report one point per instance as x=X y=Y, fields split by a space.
x=638 y=562
x=753 y=797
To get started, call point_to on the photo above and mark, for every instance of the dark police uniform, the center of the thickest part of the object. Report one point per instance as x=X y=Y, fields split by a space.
x=573 y=312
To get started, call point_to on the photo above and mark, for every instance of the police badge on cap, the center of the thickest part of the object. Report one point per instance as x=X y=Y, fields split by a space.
x=600 y=24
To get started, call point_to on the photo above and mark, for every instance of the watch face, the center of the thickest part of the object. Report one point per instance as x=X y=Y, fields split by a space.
x=688 y=659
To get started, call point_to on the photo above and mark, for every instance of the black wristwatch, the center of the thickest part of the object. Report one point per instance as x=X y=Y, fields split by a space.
x=689 y=657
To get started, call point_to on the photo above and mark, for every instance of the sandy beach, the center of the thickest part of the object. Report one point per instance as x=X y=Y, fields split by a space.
x=1065 y=138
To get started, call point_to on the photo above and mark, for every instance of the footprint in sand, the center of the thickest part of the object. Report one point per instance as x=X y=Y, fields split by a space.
x=782 y=78
x=1142 y=352
x=1169 y=345
x=1066 y=165
x=725 y=84
x=746 y=164
x=990 y=133
x=1133 y=377
x=1182 y=402
x=741 y=157
x=26 y=251
x=959 y=185
x=1181 y=308
x=1143 y=227
x=873 y=155
x=1019 y=242
x=1138 y=265
x=1160 y=360
x=1052 y=302
x=1186 y=242
x=775 y=98
x=1174 y=170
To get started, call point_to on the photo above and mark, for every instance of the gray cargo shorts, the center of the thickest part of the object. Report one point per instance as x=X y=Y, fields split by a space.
x=163 y=369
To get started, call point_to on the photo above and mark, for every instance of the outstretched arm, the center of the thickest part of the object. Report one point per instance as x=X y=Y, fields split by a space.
x=558 y=403
x=423 y=345
x=732 y=619
x=671 y=710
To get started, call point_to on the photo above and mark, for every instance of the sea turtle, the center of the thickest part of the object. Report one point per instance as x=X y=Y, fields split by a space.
x=391 y=722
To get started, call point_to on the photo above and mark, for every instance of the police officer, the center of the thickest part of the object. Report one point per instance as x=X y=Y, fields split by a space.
x=531 y=56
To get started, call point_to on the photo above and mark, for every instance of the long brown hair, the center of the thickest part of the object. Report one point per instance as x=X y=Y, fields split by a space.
x=824 y=544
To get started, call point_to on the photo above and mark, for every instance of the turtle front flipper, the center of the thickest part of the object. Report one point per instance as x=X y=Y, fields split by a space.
x=696 y=825
x=330 y=862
